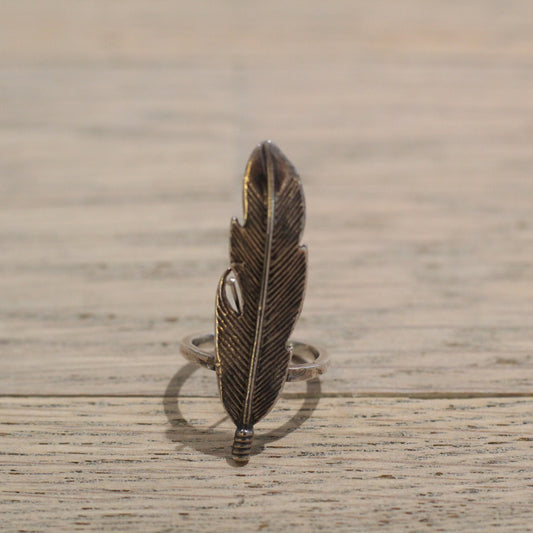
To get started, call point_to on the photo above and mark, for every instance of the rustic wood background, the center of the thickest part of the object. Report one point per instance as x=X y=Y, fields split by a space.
x=124 y=131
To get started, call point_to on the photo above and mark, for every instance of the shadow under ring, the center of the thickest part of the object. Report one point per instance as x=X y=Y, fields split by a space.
x=212 y=441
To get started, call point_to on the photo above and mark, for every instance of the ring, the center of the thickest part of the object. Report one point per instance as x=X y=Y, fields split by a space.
x=259 y=299
x=192 y=351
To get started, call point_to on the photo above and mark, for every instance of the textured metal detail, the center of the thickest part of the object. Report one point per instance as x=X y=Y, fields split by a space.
x=308 y=361
x=260 y=296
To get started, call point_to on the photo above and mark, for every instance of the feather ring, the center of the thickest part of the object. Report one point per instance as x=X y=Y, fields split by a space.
x=260 y=296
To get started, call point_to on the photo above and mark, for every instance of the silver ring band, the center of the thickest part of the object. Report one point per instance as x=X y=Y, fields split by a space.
x=200 y=349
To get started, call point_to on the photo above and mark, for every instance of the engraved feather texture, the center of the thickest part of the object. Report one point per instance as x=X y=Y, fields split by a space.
x=267 y=280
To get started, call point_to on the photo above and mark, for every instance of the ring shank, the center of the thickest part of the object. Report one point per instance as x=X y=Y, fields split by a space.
x=200 y=349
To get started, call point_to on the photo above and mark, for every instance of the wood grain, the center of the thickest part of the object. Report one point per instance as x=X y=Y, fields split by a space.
x=420 y=250
x=123 y=139
x=357 y=465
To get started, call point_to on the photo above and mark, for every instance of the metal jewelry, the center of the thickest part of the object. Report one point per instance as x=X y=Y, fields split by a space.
x=259 y=299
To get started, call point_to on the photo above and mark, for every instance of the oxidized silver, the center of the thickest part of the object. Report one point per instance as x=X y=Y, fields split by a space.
x=200 y=349
x=259 y=299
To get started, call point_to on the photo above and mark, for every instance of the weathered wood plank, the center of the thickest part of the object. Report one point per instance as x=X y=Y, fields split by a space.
x=291 y=33
x=115 y=209
x=355 y=465
x=123 y=136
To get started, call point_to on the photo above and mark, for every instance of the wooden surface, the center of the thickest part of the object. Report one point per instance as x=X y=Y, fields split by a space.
x=123 y=138
x=353 y=465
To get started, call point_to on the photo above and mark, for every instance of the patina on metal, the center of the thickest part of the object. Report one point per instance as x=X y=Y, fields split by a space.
x=259 y=299
x=266 y=282
x=307 y=362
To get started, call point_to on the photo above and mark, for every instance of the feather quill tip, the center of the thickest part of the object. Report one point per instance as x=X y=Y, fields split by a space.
x=242 y=444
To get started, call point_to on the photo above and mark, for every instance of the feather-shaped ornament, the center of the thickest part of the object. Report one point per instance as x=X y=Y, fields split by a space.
x=260 y=296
